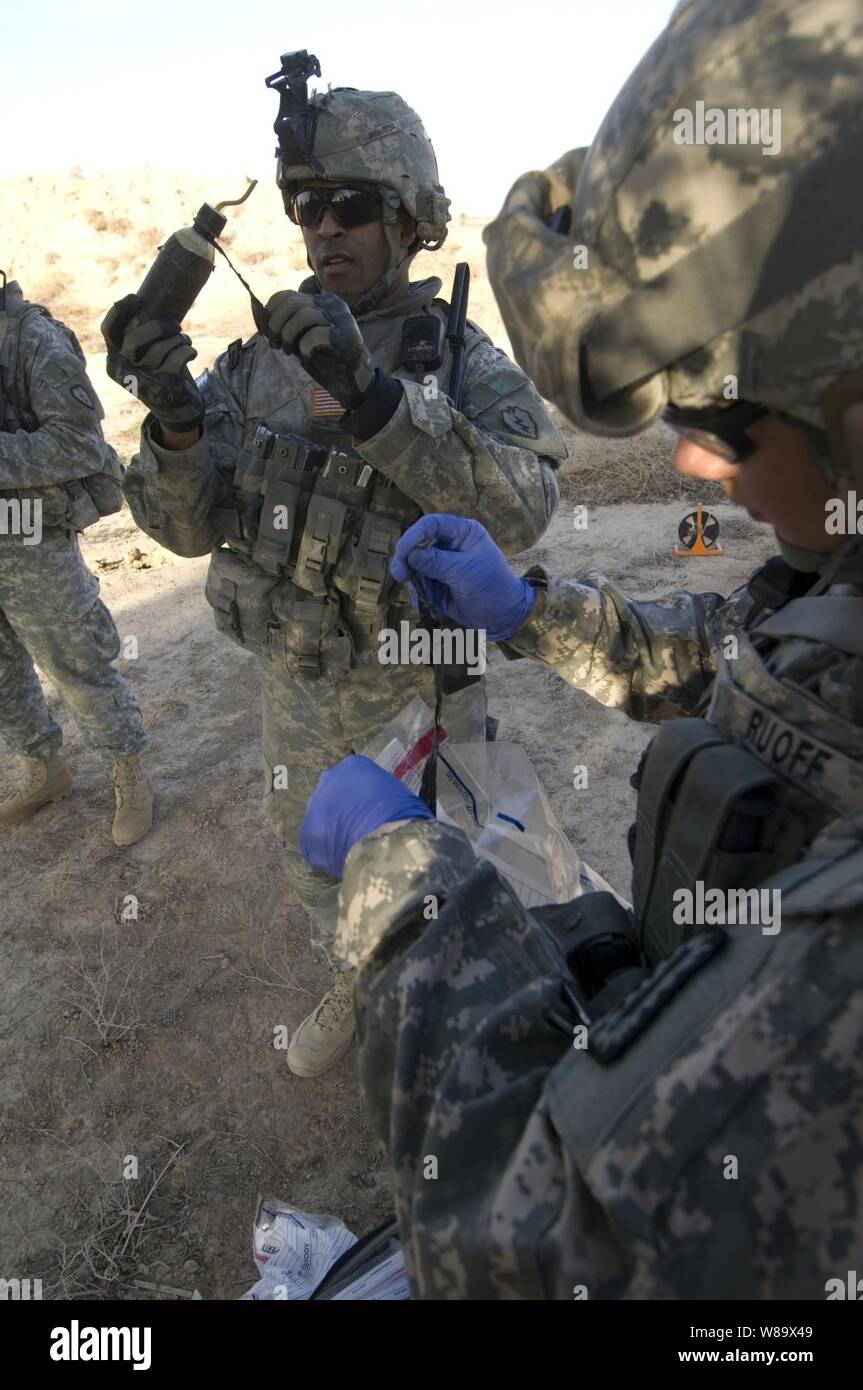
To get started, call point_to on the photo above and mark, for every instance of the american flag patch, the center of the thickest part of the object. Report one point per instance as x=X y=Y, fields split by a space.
x=325 y=404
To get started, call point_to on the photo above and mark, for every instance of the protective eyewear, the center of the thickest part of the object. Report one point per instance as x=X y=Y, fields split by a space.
x=721 y=431
x=351 y=207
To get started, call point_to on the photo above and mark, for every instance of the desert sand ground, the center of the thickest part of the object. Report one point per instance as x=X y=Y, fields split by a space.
x=151 y=1035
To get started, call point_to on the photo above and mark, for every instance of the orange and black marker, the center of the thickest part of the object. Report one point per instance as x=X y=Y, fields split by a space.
x=699 y=534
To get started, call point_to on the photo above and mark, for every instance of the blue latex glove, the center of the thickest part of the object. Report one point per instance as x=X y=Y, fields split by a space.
x=351 y=800
x=464 y=575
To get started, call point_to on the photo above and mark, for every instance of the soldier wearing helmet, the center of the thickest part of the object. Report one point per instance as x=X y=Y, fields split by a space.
x=663 y=1102
x=370 y=161
x=337 y=414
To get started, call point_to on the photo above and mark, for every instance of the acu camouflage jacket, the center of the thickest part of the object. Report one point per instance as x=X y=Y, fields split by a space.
x=494 y=459
x=720 y=1153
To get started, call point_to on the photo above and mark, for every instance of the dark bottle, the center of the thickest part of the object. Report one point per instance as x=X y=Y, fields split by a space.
x=182 y=268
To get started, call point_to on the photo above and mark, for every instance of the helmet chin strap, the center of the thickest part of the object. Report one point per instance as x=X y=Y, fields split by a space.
x=809 y=561
x=364 y=301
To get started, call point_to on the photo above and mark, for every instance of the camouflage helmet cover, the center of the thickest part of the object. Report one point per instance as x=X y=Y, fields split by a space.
x=375 y=138
x=703 y=261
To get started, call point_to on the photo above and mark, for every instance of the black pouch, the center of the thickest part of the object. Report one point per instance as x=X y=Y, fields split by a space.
x=708 y=812
x=598 y=937
x=422 y=343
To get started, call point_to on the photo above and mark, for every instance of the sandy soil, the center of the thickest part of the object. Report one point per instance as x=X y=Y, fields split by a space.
x=154 y=1037
x=141 y=988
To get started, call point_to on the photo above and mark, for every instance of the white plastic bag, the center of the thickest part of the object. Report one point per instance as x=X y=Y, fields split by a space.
x=294 y=1249
x=491 y=792
x=403 y=744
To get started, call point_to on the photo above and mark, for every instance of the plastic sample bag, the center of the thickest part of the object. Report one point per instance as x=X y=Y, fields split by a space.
x=491 y=792
x=296 y=1252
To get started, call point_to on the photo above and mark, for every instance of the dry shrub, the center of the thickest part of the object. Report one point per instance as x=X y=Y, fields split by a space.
x=113 y=1223
x=602 y=472
x=103 y=984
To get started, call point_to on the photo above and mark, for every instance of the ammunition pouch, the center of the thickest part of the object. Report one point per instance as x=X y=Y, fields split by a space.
x=312 y=639
x=240 y=597
x=81 y=509
x=276 y=526
x=321 y=541
x=273 y=479
x=363 y=576
x=308 y=518
x=237 y=523
x=54 y=502
x=89 y=499
x=77 y=504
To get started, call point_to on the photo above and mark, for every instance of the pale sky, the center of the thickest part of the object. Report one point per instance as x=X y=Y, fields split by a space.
x=501 y=87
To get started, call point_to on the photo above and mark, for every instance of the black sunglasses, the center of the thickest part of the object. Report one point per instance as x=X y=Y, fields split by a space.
x=351 y=207
x=720 y=430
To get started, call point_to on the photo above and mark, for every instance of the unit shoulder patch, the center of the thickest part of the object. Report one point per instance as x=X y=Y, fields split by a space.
x=81 y=395
x=520 y=421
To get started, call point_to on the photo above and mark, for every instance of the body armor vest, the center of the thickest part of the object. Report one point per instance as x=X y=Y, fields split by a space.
x=735 y=798
x=309 y=531
x=732 y=802
x=81 y=501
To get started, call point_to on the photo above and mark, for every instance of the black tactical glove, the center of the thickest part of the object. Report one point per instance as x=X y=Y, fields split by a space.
x=321 y=330
x=149 y=360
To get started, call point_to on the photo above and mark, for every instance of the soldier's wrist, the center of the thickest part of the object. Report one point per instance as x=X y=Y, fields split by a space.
x=525 y=635
x=377 y=409
x=169 y=437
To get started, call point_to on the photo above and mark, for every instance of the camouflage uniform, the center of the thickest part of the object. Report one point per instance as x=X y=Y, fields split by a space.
x=52 y=451
x=572 y=1173
x=493 y=459
x=312 y=612
x=608 y=1171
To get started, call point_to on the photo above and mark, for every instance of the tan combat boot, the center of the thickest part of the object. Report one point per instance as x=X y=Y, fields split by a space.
x=324 y=1037
x=133 y=795
x=44 y=780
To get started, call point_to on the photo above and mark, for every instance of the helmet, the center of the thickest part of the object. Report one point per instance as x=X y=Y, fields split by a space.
x=371 y=137
x=717 y=251
x=348 y=136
